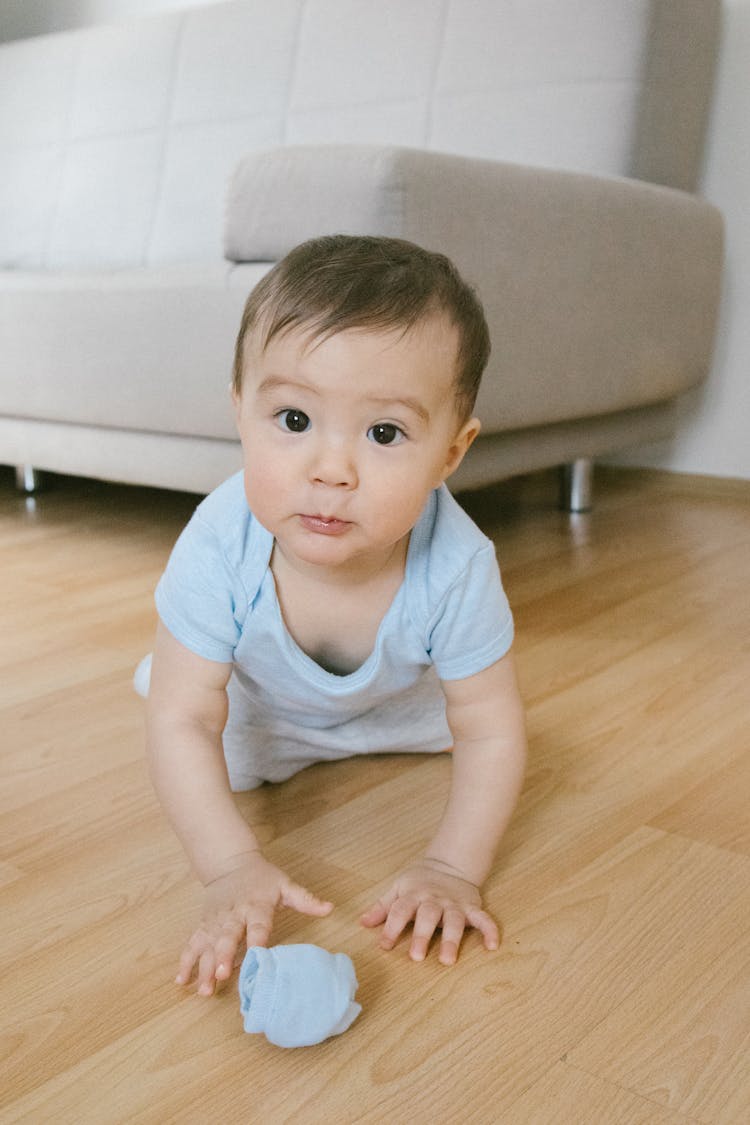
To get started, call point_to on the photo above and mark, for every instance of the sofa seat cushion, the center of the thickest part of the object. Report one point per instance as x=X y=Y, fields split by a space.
x=142 y=349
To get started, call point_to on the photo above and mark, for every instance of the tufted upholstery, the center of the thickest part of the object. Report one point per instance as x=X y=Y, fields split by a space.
x=117 y=141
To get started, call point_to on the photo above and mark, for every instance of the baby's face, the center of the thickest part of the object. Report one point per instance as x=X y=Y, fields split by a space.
x=344 y=439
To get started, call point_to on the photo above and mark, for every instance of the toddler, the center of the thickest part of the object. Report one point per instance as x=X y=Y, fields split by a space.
x=333 y=599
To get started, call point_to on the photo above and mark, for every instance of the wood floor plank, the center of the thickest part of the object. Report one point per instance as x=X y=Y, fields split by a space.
x=682 y=1039
x=568 y=1094
x=717 y=809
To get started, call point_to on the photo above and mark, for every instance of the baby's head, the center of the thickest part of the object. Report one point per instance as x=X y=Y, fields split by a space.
x=357 y=365
x=339 y=282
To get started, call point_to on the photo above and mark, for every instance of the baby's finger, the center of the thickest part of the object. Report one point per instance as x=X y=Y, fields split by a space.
x=188 y=959
x=258 y=933
x=299 y=898
x=454 y=923
x=226 y=947
x=207 y=973
x=374 y=914
x=426 y=922
x=399 y=916
x=258 y=925
x=378 y=912
x=487 y=927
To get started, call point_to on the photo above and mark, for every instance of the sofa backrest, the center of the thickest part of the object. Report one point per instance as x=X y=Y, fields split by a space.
x=116 y=142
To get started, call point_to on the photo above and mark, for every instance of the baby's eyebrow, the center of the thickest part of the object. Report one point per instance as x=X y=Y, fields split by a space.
x=273 y=383
x=412 y=404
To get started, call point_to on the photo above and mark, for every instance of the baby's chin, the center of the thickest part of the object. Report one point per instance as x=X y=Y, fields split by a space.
x=348 y=554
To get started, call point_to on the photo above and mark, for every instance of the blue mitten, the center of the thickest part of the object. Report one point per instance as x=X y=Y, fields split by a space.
x=297 y=994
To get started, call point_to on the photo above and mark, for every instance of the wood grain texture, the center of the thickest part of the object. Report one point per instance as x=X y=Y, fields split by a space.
x=621 y=992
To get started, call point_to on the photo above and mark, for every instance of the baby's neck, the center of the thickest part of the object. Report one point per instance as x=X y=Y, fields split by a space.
x=333 y=618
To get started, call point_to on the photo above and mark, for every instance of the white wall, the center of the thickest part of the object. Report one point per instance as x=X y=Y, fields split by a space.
x=714 y=433
x=713 y=436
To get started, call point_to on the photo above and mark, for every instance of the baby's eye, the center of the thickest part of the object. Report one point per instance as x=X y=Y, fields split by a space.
x=385 y=433
x=294 y=421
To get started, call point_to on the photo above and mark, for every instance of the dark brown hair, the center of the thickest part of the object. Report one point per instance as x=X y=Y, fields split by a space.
x=345 y=281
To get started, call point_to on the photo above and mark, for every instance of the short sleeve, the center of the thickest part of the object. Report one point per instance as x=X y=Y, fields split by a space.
x=473 y=625
x=200 y=597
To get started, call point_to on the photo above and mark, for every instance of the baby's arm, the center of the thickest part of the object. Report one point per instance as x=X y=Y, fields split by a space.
x=187 y=712
x=486 y=719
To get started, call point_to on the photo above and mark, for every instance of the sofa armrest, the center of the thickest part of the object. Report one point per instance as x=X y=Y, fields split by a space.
x=601 y=293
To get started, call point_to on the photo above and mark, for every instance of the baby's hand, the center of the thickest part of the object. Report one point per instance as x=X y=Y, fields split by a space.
x=433 y=898
x=238 y=910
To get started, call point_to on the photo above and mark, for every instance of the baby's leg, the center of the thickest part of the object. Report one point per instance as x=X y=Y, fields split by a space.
x=142 y=677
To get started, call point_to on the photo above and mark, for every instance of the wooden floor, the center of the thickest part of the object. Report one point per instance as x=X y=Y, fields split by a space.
x=621 y=992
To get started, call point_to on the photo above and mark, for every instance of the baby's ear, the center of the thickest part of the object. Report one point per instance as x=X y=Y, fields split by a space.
x=460 y=444
x=236 y=402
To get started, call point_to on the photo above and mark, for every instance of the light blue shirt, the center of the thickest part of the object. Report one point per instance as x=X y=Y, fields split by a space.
x=449 y=619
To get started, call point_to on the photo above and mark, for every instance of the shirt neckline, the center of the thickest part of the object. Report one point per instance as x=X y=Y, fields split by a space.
x=365 y=671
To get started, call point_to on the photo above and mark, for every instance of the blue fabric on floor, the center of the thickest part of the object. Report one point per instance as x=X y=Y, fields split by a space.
x=297 y=995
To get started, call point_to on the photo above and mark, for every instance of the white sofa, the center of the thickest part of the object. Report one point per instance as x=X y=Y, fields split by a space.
x=552 y=148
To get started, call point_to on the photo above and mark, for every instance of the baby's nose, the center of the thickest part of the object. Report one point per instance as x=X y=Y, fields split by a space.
x=335 y=466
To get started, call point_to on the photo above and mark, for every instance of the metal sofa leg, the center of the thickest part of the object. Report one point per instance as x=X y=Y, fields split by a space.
x=27 y=478
x=576 y=485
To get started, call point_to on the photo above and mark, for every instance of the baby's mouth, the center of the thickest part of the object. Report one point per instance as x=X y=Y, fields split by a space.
x=325 y=525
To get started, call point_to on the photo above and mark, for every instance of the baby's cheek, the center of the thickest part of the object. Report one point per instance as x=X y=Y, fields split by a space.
x=262 y=492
